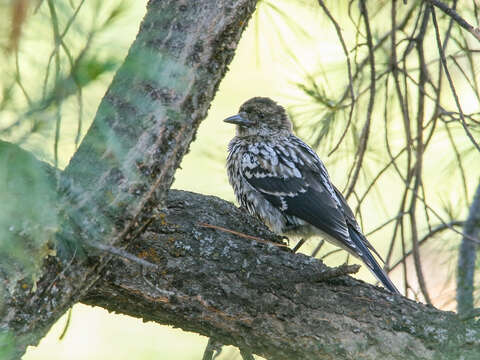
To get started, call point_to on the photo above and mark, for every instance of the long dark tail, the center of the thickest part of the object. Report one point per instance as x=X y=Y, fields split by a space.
x=370 y=261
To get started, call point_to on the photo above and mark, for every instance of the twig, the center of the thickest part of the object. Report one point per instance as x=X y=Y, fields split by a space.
x=379 y=174
x=381 y=226
x=366 y=128
x=67 y=325
x=459 y=162
x=120 y=253
x=330 y=253
x=458 y=19
x=298 y=245
x=426 y=237
x=377 y=46
x=349 y=69
x=420 y=148
x=205 y=225
x=56 y=38
x=450 y=81
x=142 y=228
x=317 y=249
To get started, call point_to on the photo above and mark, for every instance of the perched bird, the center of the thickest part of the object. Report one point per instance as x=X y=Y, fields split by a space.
x=281 y=180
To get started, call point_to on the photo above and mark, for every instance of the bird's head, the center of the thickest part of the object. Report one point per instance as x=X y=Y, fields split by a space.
x=261 y=116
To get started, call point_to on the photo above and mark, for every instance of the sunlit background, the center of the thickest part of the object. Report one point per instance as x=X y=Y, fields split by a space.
x=286 y=44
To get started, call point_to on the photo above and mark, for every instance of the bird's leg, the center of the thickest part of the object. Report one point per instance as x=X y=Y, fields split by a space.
x=317 y=249
x=299 y=245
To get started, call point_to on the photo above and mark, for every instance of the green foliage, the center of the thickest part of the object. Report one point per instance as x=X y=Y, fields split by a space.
x=28 y=218
x=57 y=56
x=7 y=344
x=399 y=121
x=91 y=68
x=59 y=53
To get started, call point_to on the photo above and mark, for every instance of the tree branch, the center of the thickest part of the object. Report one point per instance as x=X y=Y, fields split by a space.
x=257 y=296
x=458 y=19
x=248 y=293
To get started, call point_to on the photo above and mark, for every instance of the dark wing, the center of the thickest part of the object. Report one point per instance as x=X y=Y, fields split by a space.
x=292 y=178
x=352 y=222
x=294 y=197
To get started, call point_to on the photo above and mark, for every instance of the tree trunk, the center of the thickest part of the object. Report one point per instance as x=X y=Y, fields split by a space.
x=467 y=256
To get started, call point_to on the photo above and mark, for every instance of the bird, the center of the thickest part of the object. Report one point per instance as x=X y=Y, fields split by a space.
x=279 y=179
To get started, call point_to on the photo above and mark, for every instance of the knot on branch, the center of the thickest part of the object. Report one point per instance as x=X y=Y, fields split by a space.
x=330 y=273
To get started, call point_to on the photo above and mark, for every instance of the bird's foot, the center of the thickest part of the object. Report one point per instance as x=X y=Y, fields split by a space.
x=299 y=244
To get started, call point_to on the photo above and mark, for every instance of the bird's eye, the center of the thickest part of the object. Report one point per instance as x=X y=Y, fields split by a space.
x=261 y=115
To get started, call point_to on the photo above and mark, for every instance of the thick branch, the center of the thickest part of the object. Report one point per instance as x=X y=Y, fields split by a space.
x=258 y=296
x=249 y=293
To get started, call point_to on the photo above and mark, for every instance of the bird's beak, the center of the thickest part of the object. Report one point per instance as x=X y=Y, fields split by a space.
x=238 y=120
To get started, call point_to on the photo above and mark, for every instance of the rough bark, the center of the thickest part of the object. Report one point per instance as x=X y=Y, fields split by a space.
x=125 y=164
x=258 y=296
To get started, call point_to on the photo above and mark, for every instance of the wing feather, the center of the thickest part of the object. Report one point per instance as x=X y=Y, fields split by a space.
x=293 y=179
x=352 y=222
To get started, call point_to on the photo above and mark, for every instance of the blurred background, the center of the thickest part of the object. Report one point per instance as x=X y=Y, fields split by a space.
x=406 y=155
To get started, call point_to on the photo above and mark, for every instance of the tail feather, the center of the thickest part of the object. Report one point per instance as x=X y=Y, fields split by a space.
x=370 y=261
